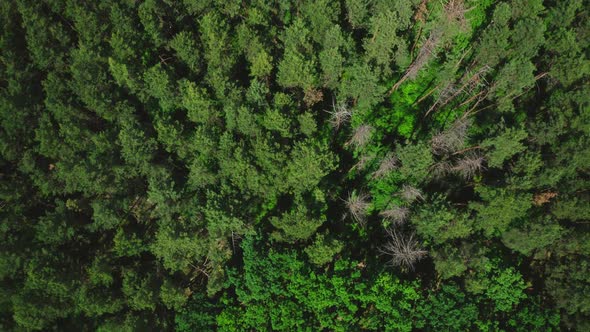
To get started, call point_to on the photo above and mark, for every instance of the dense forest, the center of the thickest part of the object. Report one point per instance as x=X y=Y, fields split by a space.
x=295 y=165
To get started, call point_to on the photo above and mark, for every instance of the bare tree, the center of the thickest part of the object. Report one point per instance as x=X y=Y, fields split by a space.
x=388 y=164
x=469 y=166
x=469 y=83
x=424 y=55
x=358 y=205
x=448 y=92
x=475 y=80
x=398 y=215
x=455 y=11
x=451 y=139
x=361 y=136
x=441 y=169
x=403 y=251
x=410 y=194
x=362 y=162
x=340 y=114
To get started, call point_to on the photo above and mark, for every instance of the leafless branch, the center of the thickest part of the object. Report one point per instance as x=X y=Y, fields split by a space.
x=362 y=162
x=358 y=205
x=469 y=83
x=455 y=11
x=451 y=139
x=403 y=251
x=469 y=166
x=410 y=194
x=441 y=169
x=388 y=164
x=361 y=136
x=424 y=55
x=397 y=215
x=340 y=114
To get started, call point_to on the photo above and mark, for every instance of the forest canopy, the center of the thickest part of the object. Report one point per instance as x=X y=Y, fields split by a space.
x=296 y=165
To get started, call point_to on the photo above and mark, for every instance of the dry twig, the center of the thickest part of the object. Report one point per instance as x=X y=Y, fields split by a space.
x=397 y=215
x=403 y=251
x=357 y=205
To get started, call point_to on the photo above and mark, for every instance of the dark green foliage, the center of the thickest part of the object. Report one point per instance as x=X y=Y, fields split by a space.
x=256 y=165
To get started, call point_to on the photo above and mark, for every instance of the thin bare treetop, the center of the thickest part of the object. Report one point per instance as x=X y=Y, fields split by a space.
x=398 y=215
x=473 y=80
x=426 y=53
x=410 y=194
x=402 y=250
x=469 y=166
x=361 y=164
x=455 y=12
x=361 y=136
x=441 y=169
x=340 y=114
x=388 y=164
x=469 y=84
x=358 y=205
x=452 y=139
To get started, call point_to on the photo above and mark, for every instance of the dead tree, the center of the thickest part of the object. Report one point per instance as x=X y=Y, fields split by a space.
x=468 y=84
x=340 y=114
x=469 y=166
x=361 y=136
x=397 y=215
x=388 y=164
x=455 y=12
x=450 y=140
x=424 y=55
x=361 y=164
x=441 y=169
x=403 y=251
x=358 y=206
x=410 y=194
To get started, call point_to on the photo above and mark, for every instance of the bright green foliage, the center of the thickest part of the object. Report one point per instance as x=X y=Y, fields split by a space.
x=567 y=283
x=506 y=289
x=361 y=84
x=309 y=164
x=534 y=237
x=261 y=64
x=321 y=16
x=197 y=315
x=357 y=11
x=296 y=69
x=172 y=295
x=383 y=191
x=533 y=318
x=281 y=292
x=450 y=308
x=449 y=262
x=331 y=58
x=195 y=100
